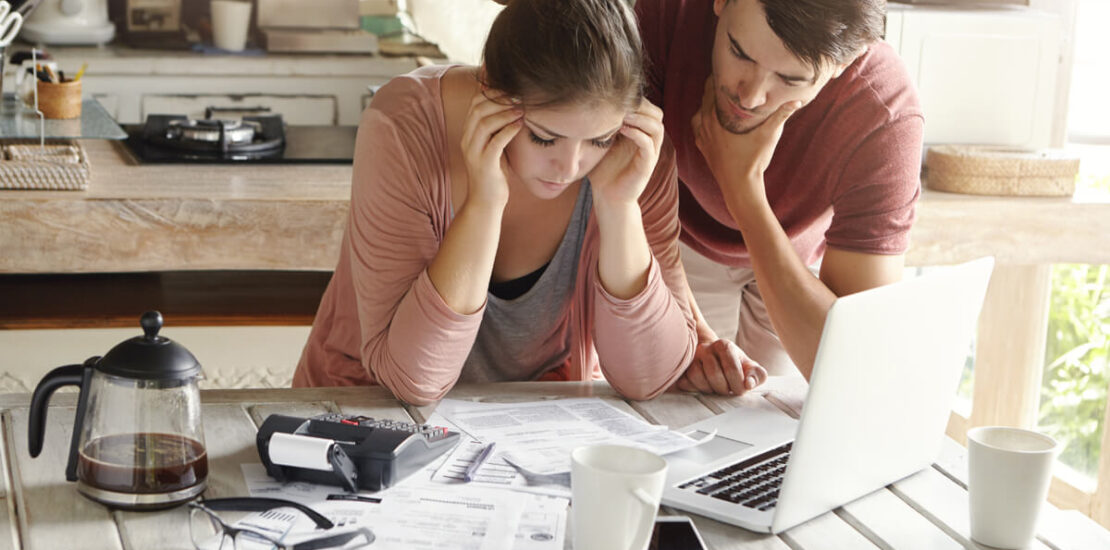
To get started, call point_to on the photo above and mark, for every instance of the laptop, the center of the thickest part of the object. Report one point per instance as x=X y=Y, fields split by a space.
x=879 y=399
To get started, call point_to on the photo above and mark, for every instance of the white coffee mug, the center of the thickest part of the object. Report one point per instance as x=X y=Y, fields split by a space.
x=231 y=20
x=1009 y=470
x=615 y=494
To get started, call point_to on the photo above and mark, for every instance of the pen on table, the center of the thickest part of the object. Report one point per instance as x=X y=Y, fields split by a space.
x=478 y=461
x=356 y=498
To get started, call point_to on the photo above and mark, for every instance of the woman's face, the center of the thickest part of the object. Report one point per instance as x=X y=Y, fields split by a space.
x=558 y=146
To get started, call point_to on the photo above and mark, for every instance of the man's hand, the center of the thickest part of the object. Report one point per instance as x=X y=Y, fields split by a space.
x=720 y=367
x=738 y=161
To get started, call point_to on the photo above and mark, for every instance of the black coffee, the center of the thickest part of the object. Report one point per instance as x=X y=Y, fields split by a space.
x=142 y=463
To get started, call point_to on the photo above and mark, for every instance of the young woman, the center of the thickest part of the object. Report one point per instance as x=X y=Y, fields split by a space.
x=512 y=221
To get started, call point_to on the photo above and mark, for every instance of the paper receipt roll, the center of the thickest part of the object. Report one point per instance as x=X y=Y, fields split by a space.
x=300 y=451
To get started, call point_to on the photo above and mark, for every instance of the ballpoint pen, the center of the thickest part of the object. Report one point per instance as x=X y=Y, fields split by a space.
x=478 y=461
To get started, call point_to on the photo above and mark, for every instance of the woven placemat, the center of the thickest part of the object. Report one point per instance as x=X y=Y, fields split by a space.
x=59 y=165
x=981 y=170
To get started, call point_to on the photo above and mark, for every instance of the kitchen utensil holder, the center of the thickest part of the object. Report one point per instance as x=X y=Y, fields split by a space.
x=55 y=164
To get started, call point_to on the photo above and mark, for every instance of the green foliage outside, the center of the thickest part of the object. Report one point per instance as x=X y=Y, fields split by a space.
x=1077 y=358
x=1077 y=354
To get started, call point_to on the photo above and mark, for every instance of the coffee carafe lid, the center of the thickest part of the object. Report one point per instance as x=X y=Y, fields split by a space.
x=150 y=357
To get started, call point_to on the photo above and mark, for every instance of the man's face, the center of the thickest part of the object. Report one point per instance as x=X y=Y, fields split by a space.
x=753 y=72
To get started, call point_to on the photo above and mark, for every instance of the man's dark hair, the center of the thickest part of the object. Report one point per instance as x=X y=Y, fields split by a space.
x=823 y=31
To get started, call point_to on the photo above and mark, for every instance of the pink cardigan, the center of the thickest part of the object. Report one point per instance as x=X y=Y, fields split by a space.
x=381 y=320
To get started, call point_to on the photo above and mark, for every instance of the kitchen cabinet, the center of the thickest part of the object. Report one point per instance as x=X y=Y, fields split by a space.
x=985 y=75
x=305 y=89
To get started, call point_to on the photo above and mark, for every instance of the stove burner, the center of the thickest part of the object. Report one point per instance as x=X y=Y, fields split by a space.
x=236 y=131
x=251 y=138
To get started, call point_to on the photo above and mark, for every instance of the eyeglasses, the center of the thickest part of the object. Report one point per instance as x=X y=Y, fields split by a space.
x=209 y=532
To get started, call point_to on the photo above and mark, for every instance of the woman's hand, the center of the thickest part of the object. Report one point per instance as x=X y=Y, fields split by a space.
x=491 y=122
x=623 y=173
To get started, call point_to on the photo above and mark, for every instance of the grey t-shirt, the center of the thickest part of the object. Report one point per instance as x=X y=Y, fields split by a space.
x=511 y=328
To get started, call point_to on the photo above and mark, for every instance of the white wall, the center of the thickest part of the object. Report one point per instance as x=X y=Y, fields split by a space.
x=1067 y=10
x=459 y=27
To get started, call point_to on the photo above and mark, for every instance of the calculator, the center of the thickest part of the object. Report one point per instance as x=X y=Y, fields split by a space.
x=351 y=451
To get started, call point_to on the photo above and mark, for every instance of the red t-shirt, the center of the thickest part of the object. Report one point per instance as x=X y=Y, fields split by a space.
x=846 y=171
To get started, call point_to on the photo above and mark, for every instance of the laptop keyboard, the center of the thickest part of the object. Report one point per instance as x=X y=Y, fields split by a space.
x=753 y=482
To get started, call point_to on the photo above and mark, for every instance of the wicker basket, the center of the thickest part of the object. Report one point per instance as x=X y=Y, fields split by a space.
x=995 y=171
x=63 y=165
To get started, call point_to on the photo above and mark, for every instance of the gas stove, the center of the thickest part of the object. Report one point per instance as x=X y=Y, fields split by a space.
x=252 y=139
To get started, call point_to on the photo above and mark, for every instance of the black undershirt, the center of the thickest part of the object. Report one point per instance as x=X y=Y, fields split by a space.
x=515 y=288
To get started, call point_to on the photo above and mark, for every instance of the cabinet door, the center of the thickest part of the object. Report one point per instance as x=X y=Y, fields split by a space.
x=984 y=76
x=298 y=110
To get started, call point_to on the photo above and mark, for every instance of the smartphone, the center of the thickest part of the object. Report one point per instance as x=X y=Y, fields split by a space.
x=675 y=533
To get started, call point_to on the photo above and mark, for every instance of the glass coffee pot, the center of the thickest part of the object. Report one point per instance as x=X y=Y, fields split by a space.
x=137 y=440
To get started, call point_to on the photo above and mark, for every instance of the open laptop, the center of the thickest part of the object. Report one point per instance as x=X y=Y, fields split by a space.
x=879 y=398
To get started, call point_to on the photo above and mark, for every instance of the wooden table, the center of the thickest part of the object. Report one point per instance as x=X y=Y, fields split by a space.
x=927 y=510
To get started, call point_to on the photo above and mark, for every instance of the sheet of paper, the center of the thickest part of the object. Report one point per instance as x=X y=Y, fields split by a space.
x=494 y=473
x=420 y=517
x=534 y=522
x=543 y=524
x=540 y=435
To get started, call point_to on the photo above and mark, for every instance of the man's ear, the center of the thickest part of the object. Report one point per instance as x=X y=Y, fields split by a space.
x=840 y=68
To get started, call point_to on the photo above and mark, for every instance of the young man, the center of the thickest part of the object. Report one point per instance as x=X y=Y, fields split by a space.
x=799 y=140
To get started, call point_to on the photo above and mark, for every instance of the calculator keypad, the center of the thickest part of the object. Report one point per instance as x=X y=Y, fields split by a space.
x=428 y=432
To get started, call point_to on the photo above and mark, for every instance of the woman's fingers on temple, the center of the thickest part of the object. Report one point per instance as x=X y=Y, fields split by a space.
x=503 y=136
x=485 y=128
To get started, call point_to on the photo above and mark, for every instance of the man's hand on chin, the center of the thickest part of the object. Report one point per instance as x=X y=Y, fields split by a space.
x=738 y=161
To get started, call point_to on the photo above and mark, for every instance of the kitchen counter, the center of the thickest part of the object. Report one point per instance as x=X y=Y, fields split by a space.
x=138 y=217
x=148 y=217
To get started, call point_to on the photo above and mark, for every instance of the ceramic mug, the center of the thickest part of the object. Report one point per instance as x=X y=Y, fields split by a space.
x=230 y=22
x=1009 y=470
x=615 y=492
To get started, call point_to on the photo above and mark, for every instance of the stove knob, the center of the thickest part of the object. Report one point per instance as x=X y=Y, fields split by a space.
x=72 y=7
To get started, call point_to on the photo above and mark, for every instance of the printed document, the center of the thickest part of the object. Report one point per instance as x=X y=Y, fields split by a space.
x=539 y=436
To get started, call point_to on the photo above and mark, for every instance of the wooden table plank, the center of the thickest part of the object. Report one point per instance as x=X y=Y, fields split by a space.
x=46 y=500
x=893 y=524
x=826 y=531
x=944 y=503
x=259 y=412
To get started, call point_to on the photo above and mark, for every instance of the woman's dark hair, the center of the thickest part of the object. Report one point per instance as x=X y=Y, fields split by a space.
x=822 y=31
x=557 y=52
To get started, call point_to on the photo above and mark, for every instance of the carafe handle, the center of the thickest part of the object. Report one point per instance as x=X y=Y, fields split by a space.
x=69 y=375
